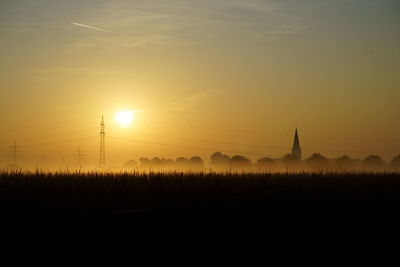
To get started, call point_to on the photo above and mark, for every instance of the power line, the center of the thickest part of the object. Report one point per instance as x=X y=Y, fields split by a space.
x=211 y=141
x=65 y=141
x=248 y=145
x=263 y=132
x=186 y=147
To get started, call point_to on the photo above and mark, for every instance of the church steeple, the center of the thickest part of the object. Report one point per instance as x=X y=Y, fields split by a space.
x=296 y=150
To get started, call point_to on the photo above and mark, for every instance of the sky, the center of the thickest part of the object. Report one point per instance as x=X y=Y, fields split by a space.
x=202 y=75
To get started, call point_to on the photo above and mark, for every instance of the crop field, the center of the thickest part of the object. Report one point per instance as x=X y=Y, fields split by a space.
x=158 y=206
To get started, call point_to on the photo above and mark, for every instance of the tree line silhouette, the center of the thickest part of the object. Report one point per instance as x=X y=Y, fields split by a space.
x=223 y=162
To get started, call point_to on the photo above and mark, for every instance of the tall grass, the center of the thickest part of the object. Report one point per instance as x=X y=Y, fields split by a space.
x=206 y=198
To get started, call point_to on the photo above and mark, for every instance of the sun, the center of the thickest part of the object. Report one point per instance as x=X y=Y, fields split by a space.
x=124 y=117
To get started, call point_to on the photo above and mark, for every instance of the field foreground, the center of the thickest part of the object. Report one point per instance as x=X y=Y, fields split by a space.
x=156 y=209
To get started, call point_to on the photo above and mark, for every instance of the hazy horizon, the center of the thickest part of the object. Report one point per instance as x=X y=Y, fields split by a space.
x=202 y=76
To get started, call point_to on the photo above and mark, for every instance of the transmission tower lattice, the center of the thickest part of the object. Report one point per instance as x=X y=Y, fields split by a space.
x=79 y=155
x=102 y=143
x=14 y=149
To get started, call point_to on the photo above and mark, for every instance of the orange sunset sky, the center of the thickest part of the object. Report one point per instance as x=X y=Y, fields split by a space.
x=200 y=76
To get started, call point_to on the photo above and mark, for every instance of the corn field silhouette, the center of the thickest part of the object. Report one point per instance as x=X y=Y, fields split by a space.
x=147 y=206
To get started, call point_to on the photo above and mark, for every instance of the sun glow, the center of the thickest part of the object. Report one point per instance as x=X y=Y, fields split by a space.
x=124 y=117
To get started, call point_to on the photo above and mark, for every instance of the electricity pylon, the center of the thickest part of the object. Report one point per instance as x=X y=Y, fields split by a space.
x=14 y=149
x=102 y=143
x=79 y=156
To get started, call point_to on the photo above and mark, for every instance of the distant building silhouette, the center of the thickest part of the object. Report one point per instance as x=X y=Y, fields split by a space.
x=296 y=150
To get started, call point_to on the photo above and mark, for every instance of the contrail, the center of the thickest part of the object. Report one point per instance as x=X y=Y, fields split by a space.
x=93 y=28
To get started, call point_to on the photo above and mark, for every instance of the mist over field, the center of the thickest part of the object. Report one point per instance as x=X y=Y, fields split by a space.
x=223 y=163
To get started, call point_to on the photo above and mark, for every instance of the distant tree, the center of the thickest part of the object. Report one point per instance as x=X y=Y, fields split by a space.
x=156 y=162
x=238 y=161
x=219 y=160
x=265 y=163
x=317 y=157
x=144 y=162
x=317 y=161
x=395 y=163
x=196 y=162
x=266 y=160
x=289 y=158
x=130 y=164
x=182 y=162
x=374 y=162
x=166 y=163
x=344 y=162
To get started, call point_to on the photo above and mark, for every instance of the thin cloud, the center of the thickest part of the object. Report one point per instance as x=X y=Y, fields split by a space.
x=117 y=40
x=93 y=28
x=177 y=22
x=280 y=32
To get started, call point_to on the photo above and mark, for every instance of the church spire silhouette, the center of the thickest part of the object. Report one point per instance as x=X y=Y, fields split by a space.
x=296 y=150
